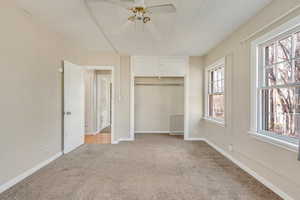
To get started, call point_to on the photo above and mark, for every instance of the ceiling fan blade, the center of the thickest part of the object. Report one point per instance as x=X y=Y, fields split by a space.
x=121 y=3
x=161 y=9
x=153 y=30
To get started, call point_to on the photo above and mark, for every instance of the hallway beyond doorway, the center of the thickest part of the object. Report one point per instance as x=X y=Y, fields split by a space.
x=100 y=138
x=103 y=137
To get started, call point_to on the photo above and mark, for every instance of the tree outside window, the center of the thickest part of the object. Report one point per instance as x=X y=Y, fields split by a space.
x=216 y=97
x=280 y=89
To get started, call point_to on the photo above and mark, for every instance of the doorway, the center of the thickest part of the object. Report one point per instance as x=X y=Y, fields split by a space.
x=98 y=106
x=87 y=114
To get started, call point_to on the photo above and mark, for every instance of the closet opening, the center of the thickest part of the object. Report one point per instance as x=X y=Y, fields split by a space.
x=98 y=86
x=159 y=105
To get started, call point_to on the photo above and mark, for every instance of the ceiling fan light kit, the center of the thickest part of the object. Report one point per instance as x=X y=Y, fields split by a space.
x=139 y=14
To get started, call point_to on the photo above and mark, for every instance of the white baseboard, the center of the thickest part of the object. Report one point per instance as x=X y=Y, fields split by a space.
x=115 y=142
x=176 y=132
x=195 y=139
x=126 y=140
x=97 y=131
x=123 y=140
x=251 y=172
x=152 y=132
x=27 y=173
x=91 y=134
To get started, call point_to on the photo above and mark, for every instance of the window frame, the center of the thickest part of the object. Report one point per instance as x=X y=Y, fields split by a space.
x=257 y=80
x=219 y=64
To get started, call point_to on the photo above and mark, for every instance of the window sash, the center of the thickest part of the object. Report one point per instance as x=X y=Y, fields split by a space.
x=215 y=86
x=292 y=85
x=262 y=123
x=275 y=41
x=263 y=85
x=212 y=111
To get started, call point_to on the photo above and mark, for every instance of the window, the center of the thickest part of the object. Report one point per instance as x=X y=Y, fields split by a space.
x=278 y=87
x=215 y=92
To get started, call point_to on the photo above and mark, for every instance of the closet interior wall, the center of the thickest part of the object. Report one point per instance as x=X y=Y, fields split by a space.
x=159 y=105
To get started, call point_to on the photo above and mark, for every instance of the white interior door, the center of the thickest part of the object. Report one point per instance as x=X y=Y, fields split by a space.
x=73 y=107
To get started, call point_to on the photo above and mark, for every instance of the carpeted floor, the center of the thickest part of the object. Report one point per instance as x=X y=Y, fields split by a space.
x=154 y=167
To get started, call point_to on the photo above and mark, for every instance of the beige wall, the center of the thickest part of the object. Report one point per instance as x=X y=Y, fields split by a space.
x=155 y=104
x=31 y=86
x=31 y=90
x=29 y=80
x=277 y=165
x=31 y=96
x=195 y=85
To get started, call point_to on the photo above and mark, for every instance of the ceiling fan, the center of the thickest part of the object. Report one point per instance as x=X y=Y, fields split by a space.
x=140 y=11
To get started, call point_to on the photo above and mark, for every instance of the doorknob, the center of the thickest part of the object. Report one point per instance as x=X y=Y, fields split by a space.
x=68 y=113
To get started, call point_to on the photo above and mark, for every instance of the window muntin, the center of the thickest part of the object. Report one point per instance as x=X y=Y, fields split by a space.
x=279 y=89
x=216 y=94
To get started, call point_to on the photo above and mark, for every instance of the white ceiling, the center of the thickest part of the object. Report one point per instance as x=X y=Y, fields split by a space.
x=197 y=26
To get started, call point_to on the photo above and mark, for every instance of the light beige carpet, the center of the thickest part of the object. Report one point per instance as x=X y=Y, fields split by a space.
x=154 y=167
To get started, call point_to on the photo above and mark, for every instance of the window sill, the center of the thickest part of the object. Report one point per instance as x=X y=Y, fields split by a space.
x=216 y=122
x=274 y=141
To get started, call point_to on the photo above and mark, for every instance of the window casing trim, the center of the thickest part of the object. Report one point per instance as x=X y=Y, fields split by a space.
x=274 y=141
x=256 y=51
x=221 y=63
x=220 y=123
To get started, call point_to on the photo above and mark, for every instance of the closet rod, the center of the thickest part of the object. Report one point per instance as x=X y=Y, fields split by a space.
x=153 y=83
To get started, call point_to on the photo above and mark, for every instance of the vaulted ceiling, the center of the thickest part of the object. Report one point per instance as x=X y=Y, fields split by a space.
x=196 y=27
